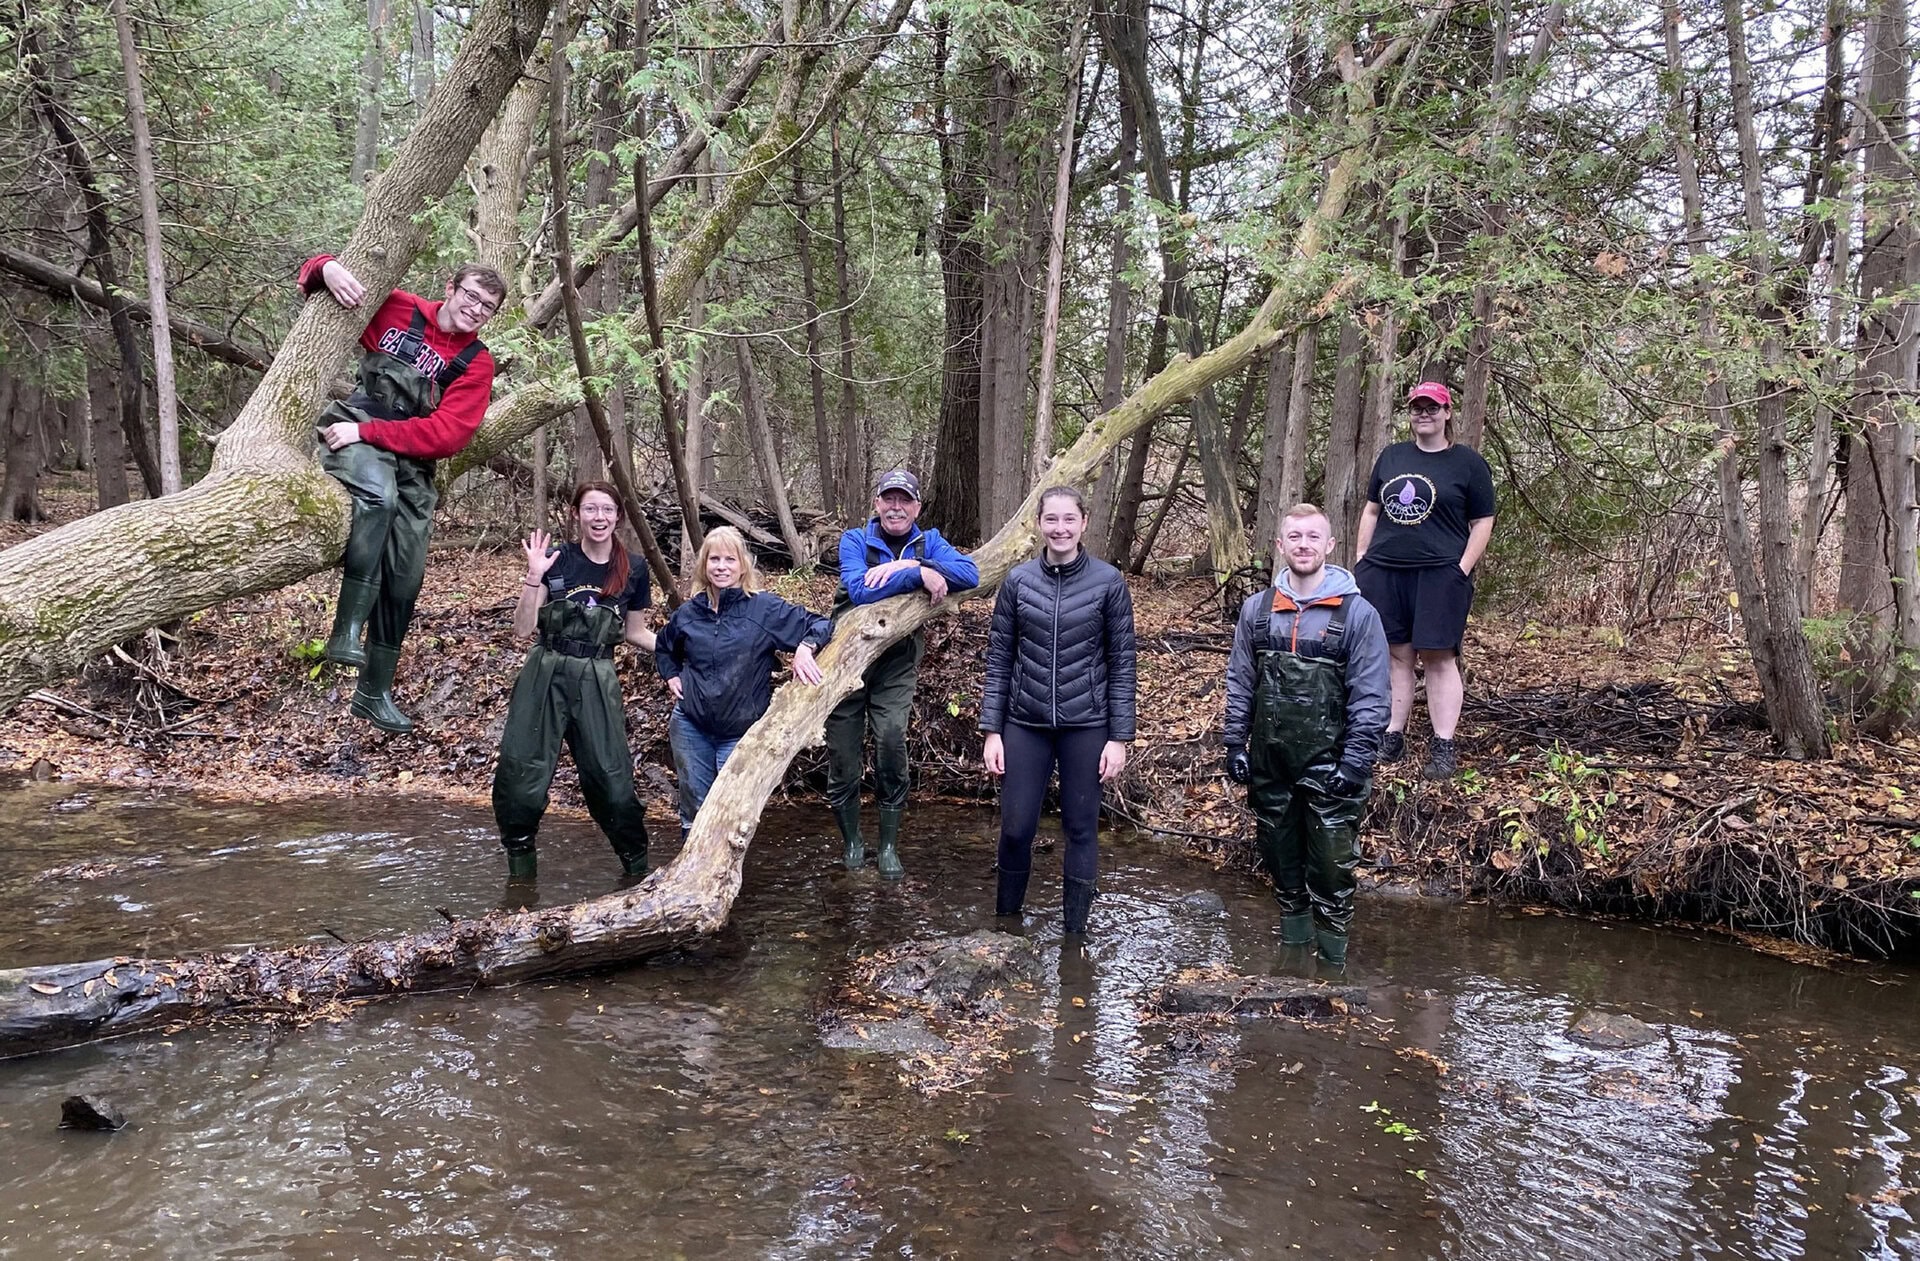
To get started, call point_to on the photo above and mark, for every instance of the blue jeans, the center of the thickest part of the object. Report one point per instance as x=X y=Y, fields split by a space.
x=697 y=759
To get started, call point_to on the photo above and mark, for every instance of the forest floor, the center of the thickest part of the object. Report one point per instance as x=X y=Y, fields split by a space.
x=1603 y=773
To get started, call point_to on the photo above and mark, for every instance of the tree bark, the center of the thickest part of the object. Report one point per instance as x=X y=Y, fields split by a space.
x=1057 y=255
x=1133 y=477
x=1276 y=450
x=166 y=400
x=1113 y=375
x=20 y=404
x=266 y=514
x=953 y=501
x=1875 y=494
x=760 y=432
x=853 y=443
x=830 y=497
x=373 y=73
x=423 y=53
x=109 y=443
x=501 y=163
x=1344 y=489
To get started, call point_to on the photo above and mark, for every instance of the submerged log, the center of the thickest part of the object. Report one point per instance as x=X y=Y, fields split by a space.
x=48 y=1007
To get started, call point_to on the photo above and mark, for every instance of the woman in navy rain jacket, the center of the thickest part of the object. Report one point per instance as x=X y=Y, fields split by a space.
x=718 y=653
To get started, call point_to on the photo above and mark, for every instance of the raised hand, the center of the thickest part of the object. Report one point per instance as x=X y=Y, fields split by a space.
x=539 y=560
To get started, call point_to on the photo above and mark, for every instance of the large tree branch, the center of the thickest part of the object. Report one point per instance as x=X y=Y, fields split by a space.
x=205 y=338
x=265 y=515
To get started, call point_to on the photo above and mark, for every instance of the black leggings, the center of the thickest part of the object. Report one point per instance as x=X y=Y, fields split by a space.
x=1031 y=754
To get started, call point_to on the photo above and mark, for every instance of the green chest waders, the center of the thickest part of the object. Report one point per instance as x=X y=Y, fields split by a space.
x=393 y=499
x=1304 y=828
x=568 y=690
x=884 y=703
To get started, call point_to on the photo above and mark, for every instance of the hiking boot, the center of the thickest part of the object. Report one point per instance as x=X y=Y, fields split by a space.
x=1393 y=747
x=1442 y=761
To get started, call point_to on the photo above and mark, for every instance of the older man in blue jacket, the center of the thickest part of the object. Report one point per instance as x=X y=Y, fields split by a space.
x=1307 y=700
x=890 y=555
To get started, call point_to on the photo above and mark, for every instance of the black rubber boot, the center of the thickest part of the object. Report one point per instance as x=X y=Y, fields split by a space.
x=888 y=859
x=1297 y=930
x=1333 y=948
x=373 y=698
x=1075 y=902
x=1011 y=894
x=853 y=847
x=350 y=621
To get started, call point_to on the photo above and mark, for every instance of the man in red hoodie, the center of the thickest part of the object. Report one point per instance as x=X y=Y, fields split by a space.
x=421 y=392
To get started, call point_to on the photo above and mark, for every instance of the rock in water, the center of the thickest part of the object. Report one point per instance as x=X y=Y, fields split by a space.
x=958 y=972
x=1610 y=1031
x=1260 y=996
x=90 y=1112
x=904 y=1036
x=1203 y=902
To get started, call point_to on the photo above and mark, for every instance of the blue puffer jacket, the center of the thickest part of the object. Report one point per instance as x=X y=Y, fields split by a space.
x=1060 y=649
x=725 y=659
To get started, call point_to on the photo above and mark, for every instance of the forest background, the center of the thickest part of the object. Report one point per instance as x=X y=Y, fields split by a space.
x=1666 y=260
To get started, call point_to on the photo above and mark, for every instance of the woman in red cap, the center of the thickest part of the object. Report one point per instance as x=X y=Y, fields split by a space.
x=1428 y=517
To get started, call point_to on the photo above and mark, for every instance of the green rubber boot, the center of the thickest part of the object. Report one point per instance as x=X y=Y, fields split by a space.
x=523 y=864
x=634 y=865
x=373 y=698
x=1333 y=948
x=1297 y=930
x=853 y=851
x=350 y=621
x=888 y=860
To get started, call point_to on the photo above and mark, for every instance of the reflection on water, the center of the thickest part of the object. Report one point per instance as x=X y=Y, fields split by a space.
x=686 y=1108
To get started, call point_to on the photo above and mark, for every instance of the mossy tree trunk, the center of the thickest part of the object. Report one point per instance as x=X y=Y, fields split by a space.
x=265 y=515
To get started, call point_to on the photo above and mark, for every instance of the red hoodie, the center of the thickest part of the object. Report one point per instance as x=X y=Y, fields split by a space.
x=447 y=430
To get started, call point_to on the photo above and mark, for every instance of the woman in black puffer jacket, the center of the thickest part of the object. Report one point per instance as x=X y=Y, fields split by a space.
x=1060 y=681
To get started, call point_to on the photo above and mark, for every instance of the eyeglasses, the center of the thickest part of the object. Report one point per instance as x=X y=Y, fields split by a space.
x=1426 y=409
x=480 y=303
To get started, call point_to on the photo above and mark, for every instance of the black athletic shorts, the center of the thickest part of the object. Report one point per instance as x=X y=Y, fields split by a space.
x=1424 y=607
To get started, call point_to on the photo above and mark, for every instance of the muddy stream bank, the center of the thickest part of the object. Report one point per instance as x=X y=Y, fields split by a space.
x=689 y=1108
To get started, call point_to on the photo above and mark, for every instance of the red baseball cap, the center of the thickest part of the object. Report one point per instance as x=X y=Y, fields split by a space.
x=1433 y=392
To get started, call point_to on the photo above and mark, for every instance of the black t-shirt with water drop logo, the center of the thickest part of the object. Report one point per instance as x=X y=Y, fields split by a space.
x=1427 y=500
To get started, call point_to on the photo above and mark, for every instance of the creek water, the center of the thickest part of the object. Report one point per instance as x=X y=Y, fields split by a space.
x=686 y=1108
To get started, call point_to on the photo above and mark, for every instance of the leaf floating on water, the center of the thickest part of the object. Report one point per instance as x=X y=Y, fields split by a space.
x=41 y=987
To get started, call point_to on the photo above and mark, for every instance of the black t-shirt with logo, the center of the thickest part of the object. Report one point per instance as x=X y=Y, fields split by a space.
x=1427 y=499
x=580 y=580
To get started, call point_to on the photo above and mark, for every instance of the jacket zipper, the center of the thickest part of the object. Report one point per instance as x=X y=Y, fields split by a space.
x=1053 y=689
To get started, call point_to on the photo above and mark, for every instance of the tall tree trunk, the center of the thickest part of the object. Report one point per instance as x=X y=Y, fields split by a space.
x=373 y=74
x=166 y=400
x=100 y=257
x=423 y=53
x=20 y=427
x=953 y=501
x=853 y=443
x=501 y=163
x=1113 y=374
x=1383 y=397
x=1875 y=493
x=1773 y=633
x=753 y=409
x=1042 y=452
x=1345 y=489
x=109 y=443
x=1275 y=447
x=830 y=497
x=1133 y=477
x=1003 y=375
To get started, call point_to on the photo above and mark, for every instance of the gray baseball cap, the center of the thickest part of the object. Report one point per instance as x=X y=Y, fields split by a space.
x=898 y=479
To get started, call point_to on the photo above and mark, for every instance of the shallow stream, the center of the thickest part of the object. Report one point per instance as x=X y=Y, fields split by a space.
x=687 y=1108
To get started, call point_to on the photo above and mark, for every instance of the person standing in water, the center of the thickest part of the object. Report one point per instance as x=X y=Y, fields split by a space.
x=1059 y=692
x=583 y=599
x=1306 y=703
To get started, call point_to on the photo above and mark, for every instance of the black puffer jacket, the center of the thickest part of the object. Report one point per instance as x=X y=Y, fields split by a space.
x=1060 y=650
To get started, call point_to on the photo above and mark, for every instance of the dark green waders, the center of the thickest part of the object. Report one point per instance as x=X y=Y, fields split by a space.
x=1304 y=830
x=393 y=500
x=884 y=703
x=568 y=690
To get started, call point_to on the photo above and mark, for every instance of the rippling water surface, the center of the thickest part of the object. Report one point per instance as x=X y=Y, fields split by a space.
x=687 y=1109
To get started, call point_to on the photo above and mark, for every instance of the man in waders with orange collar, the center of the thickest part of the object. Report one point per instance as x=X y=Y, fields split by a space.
x=420 y=394
x=1307 y=699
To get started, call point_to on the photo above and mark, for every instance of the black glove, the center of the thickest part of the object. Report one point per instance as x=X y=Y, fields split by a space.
x=1347 y=781
x=1239 y=770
